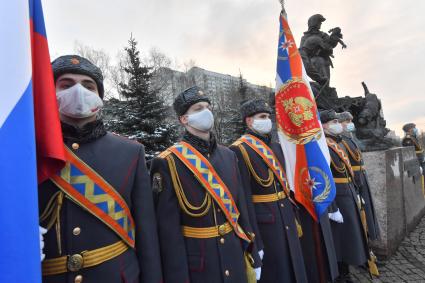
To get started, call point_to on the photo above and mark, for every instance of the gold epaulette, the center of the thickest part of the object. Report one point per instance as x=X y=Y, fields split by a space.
x=164 y=154
x=236 y=143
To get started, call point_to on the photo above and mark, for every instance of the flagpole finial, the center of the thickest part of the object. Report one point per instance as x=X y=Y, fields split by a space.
x=282 y=3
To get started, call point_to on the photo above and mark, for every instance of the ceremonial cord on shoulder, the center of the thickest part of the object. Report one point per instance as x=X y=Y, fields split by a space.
x=181 y=197
x=341 y=169
x=416 y=143
x=357 y=156
x=263 y=182
x=52 y=214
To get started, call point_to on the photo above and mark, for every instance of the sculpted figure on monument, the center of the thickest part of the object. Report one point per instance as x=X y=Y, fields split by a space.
x=316 y=49
x=371 y=124
x=320 y=57
x=313 y=64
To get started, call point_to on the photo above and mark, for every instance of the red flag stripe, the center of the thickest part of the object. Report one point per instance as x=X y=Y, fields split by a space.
x=50 y=150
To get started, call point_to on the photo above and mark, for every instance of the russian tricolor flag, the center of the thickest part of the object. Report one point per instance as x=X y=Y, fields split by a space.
x=300 y=131
x=30 y=136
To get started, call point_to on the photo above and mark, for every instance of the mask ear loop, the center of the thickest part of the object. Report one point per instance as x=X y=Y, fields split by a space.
x=99 y=114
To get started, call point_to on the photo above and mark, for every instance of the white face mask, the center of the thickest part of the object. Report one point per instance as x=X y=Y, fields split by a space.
x=350 y=127
x=262 y=126
x=335 y=129
x=78 y=102
x=415 y=132
x=202 y=120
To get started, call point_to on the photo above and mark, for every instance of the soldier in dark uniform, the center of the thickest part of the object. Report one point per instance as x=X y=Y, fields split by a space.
x=348 y=234
x=85 y=242
x=318 y=247
x=411 y=139
x=274 y=211
x=360 y=177
x=199 y=243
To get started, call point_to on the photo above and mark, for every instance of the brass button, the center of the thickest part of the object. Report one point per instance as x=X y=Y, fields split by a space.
x=222 y=240
x=227 y=272
x=218 y=210
x=78 y=279
x=222 y=230
x=282 y=205
x=75 y=262
x=75 y=146
x=76 y=231
x=287 y=228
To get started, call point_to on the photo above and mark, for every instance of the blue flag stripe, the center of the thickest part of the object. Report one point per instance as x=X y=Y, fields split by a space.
x=18 y=182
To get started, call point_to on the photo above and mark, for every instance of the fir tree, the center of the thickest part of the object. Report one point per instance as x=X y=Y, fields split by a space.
x=141 y=116
x=241 y=98
x=235 y=123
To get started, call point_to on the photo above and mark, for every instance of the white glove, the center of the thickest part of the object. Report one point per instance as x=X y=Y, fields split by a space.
x=336 y=216
x=257 y=273
x=42 y=231
x=261 y=254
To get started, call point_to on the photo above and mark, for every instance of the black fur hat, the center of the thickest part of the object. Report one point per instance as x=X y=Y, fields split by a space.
x=187 y=98
x=75 y=64
x=344 y=116
x=254 y=106
x=327 y=115
x=409 y=126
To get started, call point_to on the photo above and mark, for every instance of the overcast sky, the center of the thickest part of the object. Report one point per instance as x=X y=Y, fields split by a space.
x=386 y=39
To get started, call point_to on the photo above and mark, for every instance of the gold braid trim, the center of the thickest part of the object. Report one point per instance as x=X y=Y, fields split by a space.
x=263 y=182
x=418 y=147
x=341 y=169
x=357 y=156
x=52 y=213
x=181 y=197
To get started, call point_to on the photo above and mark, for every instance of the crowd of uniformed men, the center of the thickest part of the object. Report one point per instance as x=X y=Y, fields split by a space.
x=202 y=212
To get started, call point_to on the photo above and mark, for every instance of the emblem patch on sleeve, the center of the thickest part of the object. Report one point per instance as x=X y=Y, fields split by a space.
x=157 y=185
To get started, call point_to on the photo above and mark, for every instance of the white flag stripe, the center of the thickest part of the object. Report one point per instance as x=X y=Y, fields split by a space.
x=289 y=151
x=15 y=50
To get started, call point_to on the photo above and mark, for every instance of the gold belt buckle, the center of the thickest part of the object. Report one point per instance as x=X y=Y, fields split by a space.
x=75 y=262
x=222 y=230
x=280 y=195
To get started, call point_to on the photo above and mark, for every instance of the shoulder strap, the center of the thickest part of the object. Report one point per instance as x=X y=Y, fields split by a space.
x=237 y=142
x=164 y=154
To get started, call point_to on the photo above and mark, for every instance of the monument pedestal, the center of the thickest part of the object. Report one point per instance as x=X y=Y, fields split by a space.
x=396 y=189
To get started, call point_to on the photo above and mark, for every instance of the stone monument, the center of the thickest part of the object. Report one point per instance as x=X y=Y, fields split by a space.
x=394 y=178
